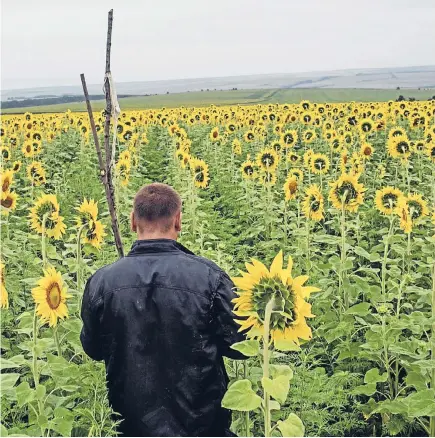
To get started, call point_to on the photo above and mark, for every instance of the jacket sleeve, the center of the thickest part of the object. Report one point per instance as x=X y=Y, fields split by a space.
x=225 y=327
x=91 y=312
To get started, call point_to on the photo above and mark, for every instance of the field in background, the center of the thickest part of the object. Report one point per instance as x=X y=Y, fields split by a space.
x=243 y=97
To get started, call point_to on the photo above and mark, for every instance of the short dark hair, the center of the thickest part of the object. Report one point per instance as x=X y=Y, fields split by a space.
x=156 y=203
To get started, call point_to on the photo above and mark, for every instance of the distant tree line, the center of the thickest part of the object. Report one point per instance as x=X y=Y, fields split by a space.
x=411 y=99
x=40 y=101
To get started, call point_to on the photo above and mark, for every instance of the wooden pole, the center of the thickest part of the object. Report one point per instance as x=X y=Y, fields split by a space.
x=106 y=168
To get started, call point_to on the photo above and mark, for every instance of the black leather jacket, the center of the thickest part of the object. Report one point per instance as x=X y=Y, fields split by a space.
x=161 y=319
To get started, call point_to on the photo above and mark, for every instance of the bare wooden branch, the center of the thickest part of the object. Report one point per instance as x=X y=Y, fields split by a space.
x=108 y=97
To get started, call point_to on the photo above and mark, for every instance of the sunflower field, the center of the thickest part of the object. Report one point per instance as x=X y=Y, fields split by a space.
x=324 y=214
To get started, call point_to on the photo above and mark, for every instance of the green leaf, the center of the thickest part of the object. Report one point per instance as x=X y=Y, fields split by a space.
x=361 y=309
x=365 y=389
x=40 y=392
x=8 y=380
x=63 y=421
x=277 y=388
x=416 y=380
x=421 y=403
x=3 y=430
x=248 y=348
x=281 y=370
x=361 y=252
x=274 y=405
x=373 y=376
x=25 y=394
x=13 y=362
x=286 y=345
x=241 y=397
x=292 y=426
x=42 y=421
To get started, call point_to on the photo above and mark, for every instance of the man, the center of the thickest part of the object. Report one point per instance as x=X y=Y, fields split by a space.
x=161 y=319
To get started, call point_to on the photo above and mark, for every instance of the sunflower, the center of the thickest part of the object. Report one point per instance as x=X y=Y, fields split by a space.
x=123 y=171
x=5 y=153
x=88 y=211
x=347 y=192
x=94 y=233
x=27 y=149
x=8 y=201
x=36 y=173
x=289 y=138
x=6 y=179
x=366 y=150
x=291 y=187
x=36 y=135
x=200 y=174
x=183 y=158
x=319 y=164
x=306 y=117
x=50 y=297
x=387 y=200
x=16 y=166
x=366 y=126
x=267 y=159
x=414 y=207
x=396 y=131
x=293 y=157
x=309 y=136
x=356 y=163
x=399 y=147
x=4 y=297
x=236 y=147
x=248 y=169
x=214 y=135
x=47 y=205
x=313 y=203
x=307 y=157
x=249 y=136
x=297 y=173
x=276 y=146
x=259 y=285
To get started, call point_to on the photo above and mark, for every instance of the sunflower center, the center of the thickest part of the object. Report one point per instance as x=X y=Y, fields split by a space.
x=288 y=139
x=319 y=163
x=284 y=310
x=346 y=192
x=389 y=200
x=367 y=151
x=7 y=203
x=267 y=160
x=402 y=147
x=314 y=204
x=415 y=209
x=6 y=184
x=53 y=296
x=292 y=187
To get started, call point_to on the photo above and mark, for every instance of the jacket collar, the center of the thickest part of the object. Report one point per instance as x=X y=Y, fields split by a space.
x=157 y=245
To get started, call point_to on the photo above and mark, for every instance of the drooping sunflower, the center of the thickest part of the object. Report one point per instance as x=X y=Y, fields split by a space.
x=267 y=159
x=291 y=187
x=248 y=170
x=123 y=171
x=319 y=164
x=88 y=210
x=8 y=201
x=347 y=191
x=50 y=297
x=183 y=159
x=36 y=173
x=399 y=147
x=47 y=205
x=313 y=203
x=200 y=174
x=4 y=297
x=415 y=206
x=387 y=200
x=366 y=150
x=430 y=151
x=289 y=138
x=93 y=233
x=255 y=289
x=6 y=179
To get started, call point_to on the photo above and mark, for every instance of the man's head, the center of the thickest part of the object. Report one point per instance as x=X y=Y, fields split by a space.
x=156 y=212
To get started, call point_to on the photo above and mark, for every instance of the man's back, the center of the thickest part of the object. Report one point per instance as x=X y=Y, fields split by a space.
x=161 y=319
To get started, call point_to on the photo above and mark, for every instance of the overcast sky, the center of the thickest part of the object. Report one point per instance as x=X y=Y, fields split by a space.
x=50 y=42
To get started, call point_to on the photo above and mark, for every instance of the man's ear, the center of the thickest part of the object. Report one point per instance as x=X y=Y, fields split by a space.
x=178 y=222
x=133 y=223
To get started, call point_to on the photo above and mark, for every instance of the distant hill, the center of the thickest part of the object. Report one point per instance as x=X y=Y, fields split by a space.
x=384 y=78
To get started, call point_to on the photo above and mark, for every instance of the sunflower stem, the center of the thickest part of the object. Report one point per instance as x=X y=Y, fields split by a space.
x=384 y=260
x=266 y=358
x=247 y=422
x=79 y=262
x=432 y=383
x=343 y=293
x=56 y=340
x=43 y=242
x=307 y=233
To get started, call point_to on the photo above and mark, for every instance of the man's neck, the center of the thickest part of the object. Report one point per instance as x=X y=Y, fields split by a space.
x=152 y=236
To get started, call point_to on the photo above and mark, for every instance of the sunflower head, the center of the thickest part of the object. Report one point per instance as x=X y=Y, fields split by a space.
x=8 y=201
x=6 y=179
x=388 y=199
x=259 y=285
x=267 y=178
x=47 y=207
x=248 y=170
x=50 y=297
x=4 y=298
x=366 y=151
x=347 y=193
x=291 y=187
x=313 y=203
x=319 y=164
x=199 y=169
x=267 y=159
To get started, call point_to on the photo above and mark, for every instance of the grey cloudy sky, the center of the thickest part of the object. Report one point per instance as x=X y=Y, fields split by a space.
x=50 y=42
